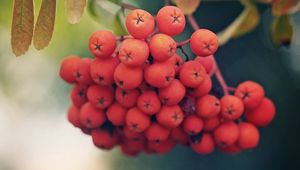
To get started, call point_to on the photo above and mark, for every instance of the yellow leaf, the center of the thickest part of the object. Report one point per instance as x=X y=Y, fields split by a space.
x=22 y=26
x=75 y=9
x=187 y=6
x=45 y=24
x=249 y=23
x=282 y=7
x=282 y=30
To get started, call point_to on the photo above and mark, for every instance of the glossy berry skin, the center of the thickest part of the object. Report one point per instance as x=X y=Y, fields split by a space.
x=248 y=137
x=251 y=93
x=172 y=94
x=192 y=124
x=68 y=68
x=102 y=44
x=203 y=89
x=157 y=133
x=262 y=115
x=133 y=52
x=205 y=145
x=104 y=139
x=232 y=107
x=139 y=23
x=136 y=120
x=123 y=80
x=148 y=102
x=102 y=70
x=162 y=47
x=82 y=74
x=127 y=98
x=116 y=114
x=178 y=135
x=100 y=96
x=226 y=134
x=207 y=62
x=159 y=75
x=176 y=61
x=192 y=74
x=78 y=95
x=208 y=106
x=74 y=116
x=170 y=20
x=91 y=117
x=211 y=124
x=170 y=116
x=204 y=42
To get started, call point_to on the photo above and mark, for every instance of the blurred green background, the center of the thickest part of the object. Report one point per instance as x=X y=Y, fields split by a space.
x=34 y=132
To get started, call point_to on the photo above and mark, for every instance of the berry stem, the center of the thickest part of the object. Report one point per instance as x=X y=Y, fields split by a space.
x=231 y=89
x=187 y=58
x=123 y=37
x=182 y=43
x=216 y=70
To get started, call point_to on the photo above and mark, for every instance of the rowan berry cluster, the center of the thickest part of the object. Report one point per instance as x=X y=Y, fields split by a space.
x=139 y=94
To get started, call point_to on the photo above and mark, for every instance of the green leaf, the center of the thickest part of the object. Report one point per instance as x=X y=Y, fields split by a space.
x=75 y=10
x=45 y=24
x=281 y=30
x=22 y=26
x=108 y=14
x=249 y=23
x=282 y=7
x=187 y=6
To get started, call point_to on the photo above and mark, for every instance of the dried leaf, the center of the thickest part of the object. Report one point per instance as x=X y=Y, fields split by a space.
x=22 y=26
x=187 y=6
x=75 y=9
x=282 y=7
x=282 y=30
x=45 y=24
x=249 y=23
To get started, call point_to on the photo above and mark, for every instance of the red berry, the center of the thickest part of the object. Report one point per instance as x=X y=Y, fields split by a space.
x=161 y=147
x=136 y=120
x=127 y=98
x=91 y=117
x=208 y=106
x=172 y=94
x=176 y=61
x=78 y=95
x=204 y=42
x=131 y=147
x=205 y=145
x=170 y=116
x=74 y=116
x=159 y=74
x=100 y=96
x=104 y=139
x=162 y=47
x=211 y=124
x=136 y=136
x=207 y=62
x=145 y=87
x=249 y=136
x=203 y=89
x=232 y=149
x=179 y=135
x=170 y=20
x=139 y=23
x=102 y=71
x=157 y=133
x=192 y=74
x=148 y=102
x=116 y=114
x=226 y=134
x=82 y=74
x=192 y=124
x=128 y=77
x=251 y=93
x=231 y=107
x=133 y=52
x=68 y=68
x=102 y=44
x=263 y=114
